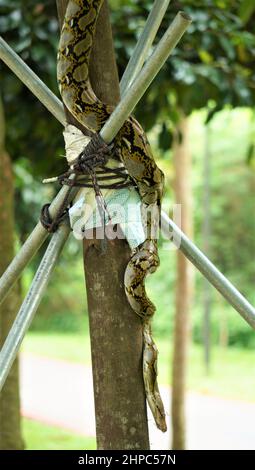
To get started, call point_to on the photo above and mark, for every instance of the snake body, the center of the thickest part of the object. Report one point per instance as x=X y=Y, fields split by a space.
x=134 y=151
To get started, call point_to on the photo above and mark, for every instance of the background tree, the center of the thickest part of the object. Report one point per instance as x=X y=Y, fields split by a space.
x=10 y=427
x=184 y=282
x=206 y=227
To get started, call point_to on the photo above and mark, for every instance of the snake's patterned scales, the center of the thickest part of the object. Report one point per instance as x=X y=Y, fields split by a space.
x=135 y=152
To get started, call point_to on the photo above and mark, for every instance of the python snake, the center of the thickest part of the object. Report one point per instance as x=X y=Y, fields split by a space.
x=134 y=151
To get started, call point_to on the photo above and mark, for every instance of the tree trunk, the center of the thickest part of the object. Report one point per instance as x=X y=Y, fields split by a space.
x=116 y=333
x=184 y=286
x=10 y=427
x=206 y=229
x=223 y=328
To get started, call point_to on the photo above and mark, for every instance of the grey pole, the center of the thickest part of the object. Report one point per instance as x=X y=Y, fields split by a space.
x=144 y=44
x=108 y=132
x=134 y=93
x=32 y=81
x=31 y=302
x=30 y=247
x=206 y=267
x=197 y=258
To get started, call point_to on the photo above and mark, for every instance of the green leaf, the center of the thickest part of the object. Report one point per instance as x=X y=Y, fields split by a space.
x=246 y=10
x=165 y=138
x=211 y=113
x=227 y=46
x=250 y=156
x=205 y=56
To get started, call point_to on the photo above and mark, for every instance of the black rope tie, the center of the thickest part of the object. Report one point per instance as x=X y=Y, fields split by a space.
x=95 y=154
x=51 y=224
x=103 y=176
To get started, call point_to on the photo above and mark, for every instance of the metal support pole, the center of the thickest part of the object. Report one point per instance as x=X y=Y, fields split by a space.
x=153 y=65
x=206 y=267
x=32 y=81
x=31 y=302
x=108 y=132
x=30 y=247
x=144 y=44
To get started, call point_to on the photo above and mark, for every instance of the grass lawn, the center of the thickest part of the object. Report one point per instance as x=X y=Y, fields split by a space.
x=40 y=436
x=232 y=373
x=67 y=346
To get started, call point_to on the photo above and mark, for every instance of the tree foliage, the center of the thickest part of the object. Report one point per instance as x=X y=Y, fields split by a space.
x=213 y=62
x=31 y=28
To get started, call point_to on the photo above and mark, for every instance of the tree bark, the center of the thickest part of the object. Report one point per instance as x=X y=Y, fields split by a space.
x=223 y=330
x=10 y=426
x=116 y=332
x=184 y=286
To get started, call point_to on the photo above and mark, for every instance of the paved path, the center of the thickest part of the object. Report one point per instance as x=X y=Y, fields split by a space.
x=61 y=393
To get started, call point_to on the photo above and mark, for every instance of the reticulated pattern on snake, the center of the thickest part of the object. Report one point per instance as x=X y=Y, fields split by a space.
x=134 y=151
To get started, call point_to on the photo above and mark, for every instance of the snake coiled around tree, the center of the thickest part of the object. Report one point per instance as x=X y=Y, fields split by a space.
x=134 y=151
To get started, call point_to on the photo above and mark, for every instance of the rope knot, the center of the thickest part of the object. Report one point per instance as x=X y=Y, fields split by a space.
x=51 y=224
x=96 y=153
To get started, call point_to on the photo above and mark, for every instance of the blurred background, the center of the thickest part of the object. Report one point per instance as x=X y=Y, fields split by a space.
x=200 y=119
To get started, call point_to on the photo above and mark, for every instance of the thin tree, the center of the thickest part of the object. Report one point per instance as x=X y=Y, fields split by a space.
x=10 y=425
x=184 y=283
x=207 y=292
